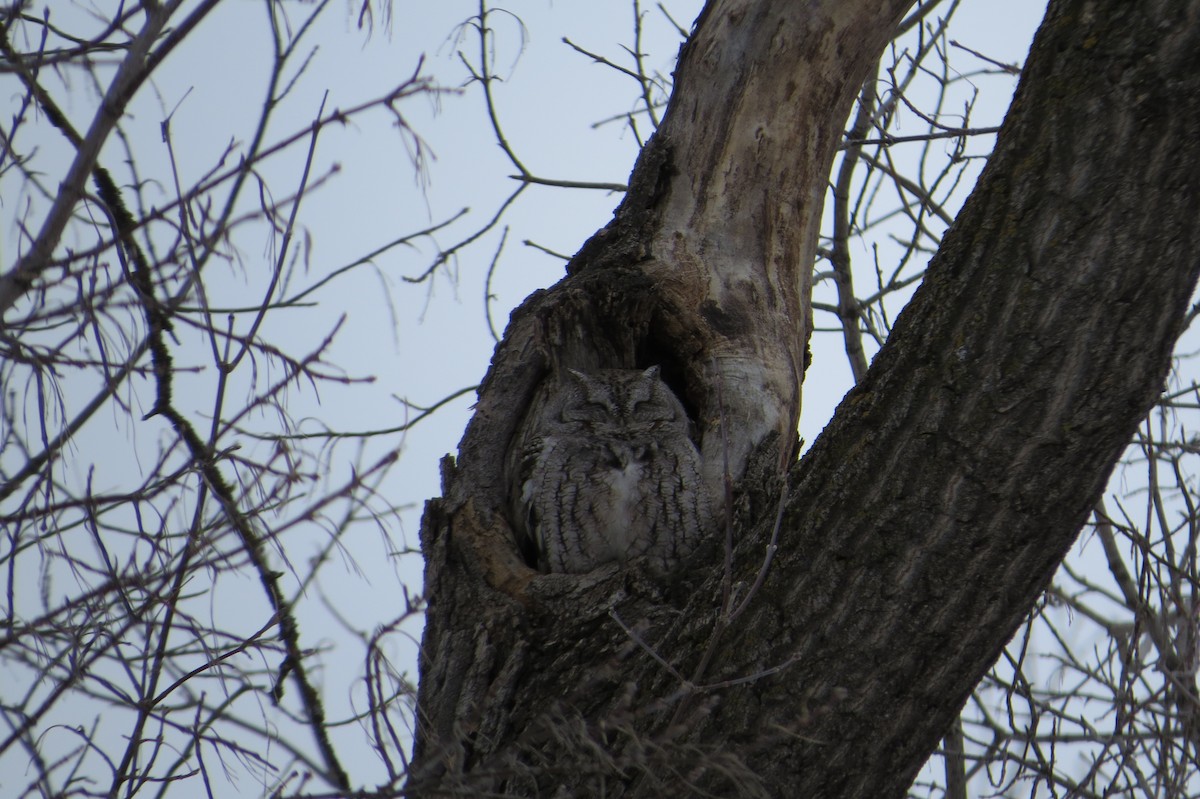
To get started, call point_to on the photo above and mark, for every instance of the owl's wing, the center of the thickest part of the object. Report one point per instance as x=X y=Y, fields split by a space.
x=526 y=476
x=681 y=511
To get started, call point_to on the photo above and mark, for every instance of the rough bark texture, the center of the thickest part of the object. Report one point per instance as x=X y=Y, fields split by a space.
x=932 y=511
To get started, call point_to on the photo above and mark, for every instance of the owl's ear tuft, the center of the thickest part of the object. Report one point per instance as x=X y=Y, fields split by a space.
x=578 y=376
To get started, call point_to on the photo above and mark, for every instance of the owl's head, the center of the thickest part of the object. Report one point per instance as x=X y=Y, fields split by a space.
x=621 y=400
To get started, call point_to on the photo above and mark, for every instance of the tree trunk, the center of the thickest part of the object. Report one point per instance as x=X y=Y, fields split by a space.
x=927 y=518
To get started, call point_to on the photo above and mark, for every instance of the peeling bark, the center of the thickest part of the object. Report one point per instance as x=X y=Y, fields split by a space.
x=933 y=510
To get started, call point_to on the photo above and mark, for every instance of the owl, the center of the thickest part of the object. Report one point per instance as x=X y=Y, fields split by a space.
x=603 y=470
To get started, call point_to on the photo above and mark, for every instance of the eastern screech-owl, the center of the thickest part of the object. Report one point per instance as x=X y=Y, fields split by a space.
x=603 y=470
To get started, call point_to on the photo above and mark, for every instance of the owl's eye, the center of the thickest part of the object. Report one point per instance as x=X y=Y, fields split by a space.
x=592 y=411
x=652 y=410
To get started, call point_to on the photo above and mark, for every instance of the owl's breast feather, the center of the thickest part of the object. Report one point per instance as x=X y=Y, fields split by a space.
x=625 y=484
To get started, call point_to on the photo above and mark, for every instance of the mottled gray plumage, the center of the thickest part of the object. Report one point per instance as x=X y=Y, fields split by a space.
x=604 y=471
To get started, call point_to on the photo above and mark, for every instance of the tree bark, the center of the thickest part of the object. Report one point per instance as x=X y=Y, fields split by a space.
x=919 y=530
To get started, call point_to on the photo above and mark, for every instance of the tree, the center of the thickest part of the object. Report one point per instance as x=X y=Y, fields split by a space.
x=832 y=664
x=203 y=546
